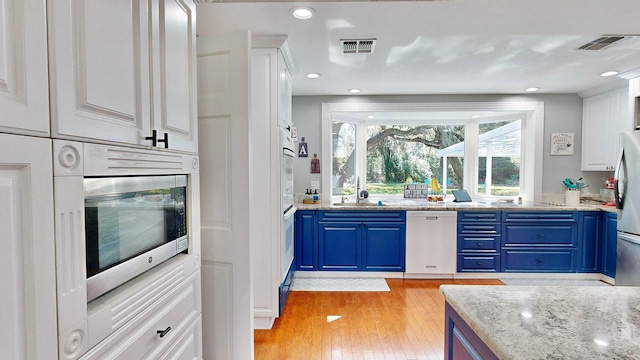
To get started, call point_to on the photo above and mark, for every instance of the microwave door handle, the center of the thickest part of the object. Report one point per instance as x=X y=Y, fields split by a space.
x=619 y=196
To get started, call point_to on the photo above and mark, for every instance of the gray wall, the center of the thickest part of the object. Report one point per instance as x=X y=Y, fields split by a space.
x=563 y=113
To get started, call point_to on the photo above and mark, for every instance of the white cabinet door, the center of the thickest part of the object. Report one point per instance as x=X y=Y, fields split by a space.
x=174 y=62
x=122 y=71
x=27 y=263
x=604 y=116
x=284 y=93
x=100 y=70
x=24 y=90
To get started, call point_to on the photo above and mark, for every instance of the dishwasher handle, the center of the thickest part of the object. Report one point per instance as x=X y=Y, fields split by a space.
x=431 y=218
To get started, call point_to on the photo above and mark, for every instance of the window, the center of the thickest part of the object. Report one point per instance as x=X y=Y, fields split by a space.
x=463 y=149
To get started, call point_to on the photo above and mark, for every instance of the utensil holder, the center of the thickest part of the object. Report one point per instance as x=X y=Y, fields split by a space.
x=572 y=197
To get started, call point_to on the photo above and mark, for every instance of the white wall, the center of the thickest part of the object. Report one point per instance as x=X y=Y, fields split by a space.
x=563 y=113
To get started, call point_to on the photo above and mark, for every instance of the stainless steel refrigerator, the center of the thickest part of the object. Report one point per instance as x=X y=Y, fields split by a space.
x=627 y=196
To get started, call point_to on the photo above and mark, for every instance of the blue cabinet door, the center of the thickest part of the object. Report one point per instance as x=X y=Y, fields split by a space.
x=589 y=257
x=306 y=240
x=610 y=235
x=383 y=247
x=339 y=246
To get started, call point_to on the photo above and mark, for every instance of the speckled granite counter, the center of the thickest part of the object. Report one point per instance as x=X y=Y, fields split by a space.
x=423 y=204
x=551 y=322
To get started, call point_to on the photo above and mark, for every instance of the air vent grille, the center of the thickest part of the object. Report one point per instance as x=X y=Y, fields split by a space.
x=604 y=42
x=358 y=46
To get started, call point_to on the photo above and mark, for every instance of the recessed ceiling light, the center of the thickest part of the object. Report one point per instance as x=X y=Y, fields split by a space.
x=354 y=91
x=475 y=116
x=609 y=73
x=532 y=89
x=370 y=117
x=313 y=75
x=302 y=13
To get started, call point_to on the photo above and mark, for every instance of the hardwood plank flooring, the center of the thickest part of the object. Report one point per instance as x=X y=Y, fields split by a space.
x=402 y=324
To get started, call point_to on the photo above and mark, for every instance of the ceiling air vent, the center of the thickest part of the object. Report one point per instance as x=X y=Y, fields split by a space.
x=604 y=42
x=358 y=46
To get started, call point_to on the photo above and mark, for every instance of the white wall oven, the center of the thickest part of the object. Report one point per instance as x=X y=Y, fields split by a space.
x=132 y=224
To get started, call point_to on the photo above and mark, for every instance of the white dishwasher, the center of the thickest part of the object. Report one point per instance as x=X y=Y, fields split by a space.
x=431 y=242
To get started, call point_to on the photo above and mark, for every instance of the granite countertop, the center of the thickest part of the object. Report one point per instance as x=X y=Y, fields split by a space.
x=551 y=322
x=423 y=204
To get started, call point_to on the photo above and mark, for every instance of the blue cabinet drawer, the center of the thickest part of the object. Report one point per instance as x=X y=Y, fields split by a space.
x=532 y=235
x=539 y=261
x=468 y=243
x=478 y=216
x=360 y=215
x=478 y=263
x=478 y=228
x=538 y=216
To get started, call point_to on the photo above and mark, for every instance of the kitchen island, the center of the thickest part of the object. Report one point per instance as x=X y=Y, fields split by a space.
x=542 y=322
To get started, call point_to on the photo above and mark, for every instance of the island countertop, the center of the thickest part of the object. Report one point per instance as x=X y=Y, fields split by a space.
x=551 y=322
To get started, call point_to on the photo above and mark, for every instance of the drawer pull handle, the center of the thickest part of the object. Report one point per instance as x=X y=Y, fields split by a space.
x=479 y=263
x=480 y=244
x=164 y=332
x=540 y=235
x=539 y=260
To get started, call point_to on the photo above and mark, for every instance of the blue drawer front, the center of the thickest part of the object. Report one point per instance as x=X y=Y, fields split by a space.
x=532 y=235
x=478 y=228
x=478 y=243
x=478 y=263
x=539 y=261
x=478 y=216
x=537 y=216
x=359 y=216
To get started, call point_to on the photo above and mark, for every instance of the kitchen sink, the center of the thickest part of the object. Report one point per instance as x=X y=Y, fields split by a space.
x=356 y=204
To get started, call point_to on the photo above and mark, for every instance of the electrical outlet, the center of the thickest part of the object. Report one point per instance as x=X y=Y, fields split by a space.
x=315 y=185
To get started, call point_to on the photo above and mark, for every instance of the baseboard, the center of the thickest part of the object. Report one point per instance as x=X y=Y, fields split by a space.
x=338 y=274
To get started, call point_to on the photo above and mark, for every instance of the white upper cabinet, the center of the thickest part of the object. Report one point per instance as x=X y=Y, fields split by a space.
x=123 y=72
x=24 y=91
x=284 y=92
x=604 y=116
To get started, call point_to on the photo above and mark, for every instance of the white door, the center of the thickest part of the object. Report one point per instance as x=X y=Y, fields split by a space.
x=99 y=72
x=174 y=39
x=223 y=121
x=24 y=89
x=27 y=259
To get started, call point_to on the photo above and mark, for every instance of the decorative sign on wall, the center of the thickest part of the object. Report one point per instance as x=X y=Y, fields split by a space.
x=562 y=144
x=303 y=150
x=315 y=164
x=293 y=131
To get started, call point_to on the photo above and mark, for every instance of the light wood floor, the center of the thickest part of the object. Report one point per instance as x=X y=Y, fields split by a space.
x=405 y=323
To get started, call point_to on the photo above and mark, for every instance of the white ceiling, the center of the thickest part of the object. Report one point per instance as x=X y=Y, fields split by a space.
x=444 y=47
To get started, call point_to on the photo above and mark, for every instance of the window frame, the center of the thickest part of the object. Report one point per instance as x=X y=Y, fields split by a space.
x=531 y=139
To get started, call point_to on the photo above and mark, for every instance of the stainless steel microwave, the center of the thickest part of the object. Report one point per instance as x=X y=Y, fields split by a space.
x=132 y=224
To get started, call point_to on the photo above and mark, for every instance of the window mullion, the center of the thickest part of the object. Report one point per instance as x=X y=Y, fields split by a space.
x=471 y=134
x=361 y=153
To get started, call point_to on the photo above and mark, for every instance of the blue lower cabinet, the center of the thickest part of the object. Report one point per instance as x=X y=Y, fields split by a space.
x=609 y=241
x=461 y=342
x=383 y=247
x=539 y=261
x=339 y=246
x=589 y=233
x=306 y=240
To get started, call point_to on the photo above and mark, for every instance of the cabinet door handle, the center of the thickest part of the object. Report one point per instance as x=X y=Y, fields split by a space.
x=164 y=140
x=153 y=138
x=164 y=332
x=479 y=263
x=539 y=260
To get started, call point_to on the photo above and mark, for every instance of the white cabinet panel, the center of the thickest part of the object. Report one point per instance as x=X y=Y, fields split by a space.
x=24 y=91
x=604 y=116
x=100 y=70
x=123 y=71
x=175 y=95
x=28 y=301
